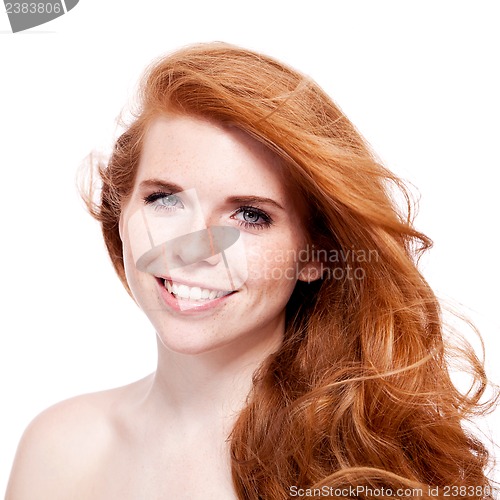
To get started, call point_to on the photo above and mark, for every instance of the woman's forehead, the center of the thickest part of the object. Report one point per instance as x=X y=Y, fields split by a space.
x=195 y=152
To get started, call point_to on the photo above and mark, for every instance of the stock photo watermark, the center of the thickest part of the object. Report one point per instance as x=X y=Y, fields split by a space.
x=336 y=264
x=385 y=492
x=25 y=15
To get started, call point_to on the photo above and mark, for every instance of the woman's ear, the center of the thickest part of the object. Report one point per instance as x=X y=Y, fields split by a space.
x=311 y=271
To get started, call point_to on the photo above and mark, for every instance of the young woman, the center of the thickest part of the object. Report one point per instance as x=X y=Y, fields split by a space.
x=300 y=350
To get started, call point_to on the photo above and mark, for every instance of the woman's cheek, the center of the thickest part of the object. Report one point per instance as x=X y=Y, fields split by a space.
x=270 y=265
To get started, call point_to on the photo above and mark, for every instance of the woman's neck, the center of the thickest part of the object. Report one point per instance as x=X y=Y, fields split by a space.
x=208 y=390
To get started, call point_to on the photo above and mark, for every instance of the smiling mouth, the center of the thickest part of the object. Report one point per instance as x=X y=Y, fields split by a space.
x=192 y=293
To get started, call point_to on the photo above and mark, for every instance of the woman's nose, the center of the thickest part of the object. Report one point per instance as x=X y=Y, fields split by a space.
x=205 y=245
x=202 y=246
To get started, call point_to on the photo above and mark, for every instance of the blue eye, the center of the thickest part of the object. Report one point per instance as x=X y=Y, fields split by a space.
x=252 y=218
x=164 y=201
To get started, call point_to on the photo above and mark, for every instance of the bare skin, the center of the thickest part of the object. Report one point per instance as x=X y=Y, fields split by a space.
x=130 y=443
x=96 y=447
x=166 y=436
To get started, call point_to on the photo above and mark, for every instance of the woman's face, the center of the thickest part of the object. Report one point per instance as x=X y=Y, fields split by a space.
x=210 y=236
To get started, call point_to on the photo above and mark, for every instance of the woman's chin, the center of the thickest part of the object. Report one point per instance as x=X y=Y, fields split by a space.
x=189 y=345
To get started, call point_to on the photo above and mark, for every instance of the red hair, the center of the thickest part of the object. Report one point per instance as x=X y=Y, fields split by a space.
x=359 y=394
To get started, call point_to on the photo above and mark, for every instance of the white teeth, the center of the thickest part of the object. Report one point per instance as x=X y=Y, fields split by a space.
x=193 y=293
x=183 y=292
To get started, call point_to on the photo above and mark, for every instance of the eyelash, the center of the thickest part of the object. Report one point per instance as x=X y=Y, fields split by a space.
x=265 y=217
x=158 y=195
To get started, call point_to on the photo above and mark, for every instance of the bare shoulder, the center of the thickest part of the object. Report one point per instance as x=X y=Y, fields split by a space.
x=63 y=446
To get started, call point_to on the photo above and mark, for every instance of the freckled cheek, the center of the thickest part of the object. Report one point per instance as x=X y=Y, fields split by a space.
x=135 y=279
x=272 y=265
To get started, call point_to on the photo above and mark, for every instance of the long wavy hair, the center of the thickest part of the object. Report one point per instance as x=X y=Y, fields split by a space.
x=359 y=399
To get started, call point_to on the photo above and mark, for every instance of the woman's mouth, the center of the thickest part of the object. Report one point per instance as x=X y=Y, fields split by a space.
x=194 y=294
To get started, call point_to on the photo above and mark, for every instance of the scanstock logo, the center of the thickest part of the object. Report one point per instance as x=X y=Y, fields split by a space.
x=25 y=15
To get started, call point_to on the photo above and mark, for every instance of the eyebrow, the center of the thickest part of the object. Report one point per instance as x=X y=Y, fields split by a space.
x=254 y=200
x=160 y=184
x=175 y=188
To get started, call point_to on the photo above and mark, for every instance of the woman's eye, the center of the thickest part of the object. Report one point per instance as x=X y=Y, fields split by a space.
x=250 y=217
x=170 y=201
x=164 y=201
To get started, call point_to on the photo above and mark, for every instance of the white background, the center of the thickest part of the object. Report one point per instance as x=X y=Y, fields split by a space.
x=419 y=79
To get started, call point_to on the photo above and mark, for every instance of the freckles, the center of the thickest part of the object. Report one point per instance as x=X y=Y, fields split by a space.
x=274 y=262
x=273 y=272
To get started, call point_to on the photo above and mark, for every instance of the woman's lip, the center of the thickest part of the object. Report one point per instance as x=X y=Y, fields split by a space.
x=192 y=284
x=185 y=305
